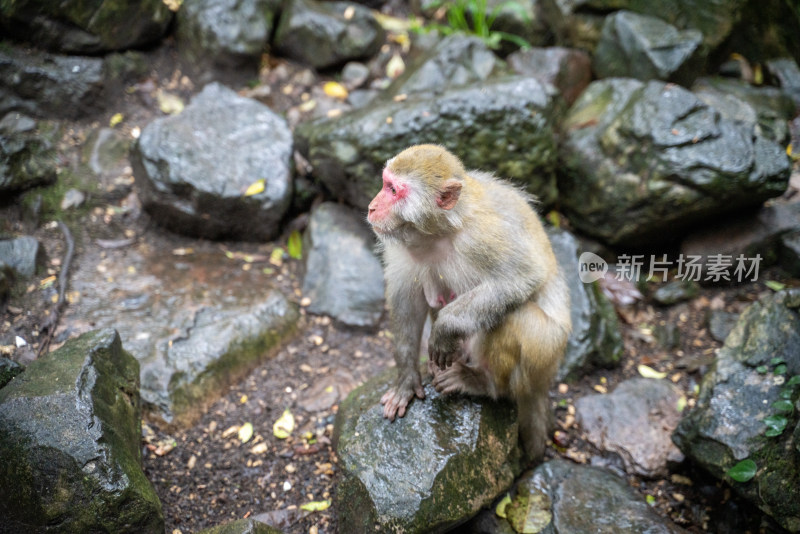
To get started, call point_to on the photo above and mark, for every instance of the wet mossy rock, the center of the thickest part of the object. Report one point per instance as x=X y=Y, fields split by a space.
x=736 y=396
x=426 y=472
x=560 y=497
x=642 y=162
x=70 y=429
x=242 y=526
x=504 y=126
x=225 y=33
x=27 y=152
x=595 y=338
x=322 y=35
x=87 y=27
x=192 y=179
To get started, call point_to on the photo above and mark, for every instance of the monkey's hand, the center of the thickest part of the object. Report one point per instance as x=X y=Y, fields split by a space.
x=397 y=398
x=443 y=348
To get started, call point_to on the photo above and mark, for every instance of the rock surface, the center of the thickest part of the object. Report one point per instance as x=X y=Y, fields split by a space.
x=327 y=34
x=23 y=254
x=635 y=421
x=242 y=526
x=70 y=431
x=195 y=324
x=747 y=408
x=425 y=472
x=646 y=48
x=505 y=126
x=569 y=70
x=595 y=337
x=87 y=27
x=343 y=277
x=27 y=152
x=50 y=86
x=192 y=178
x=642 y=162
x=225 y=33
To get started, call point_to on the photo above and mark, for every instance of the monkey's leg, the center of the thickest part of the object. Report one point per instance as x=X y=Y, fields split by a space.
x=464 y=378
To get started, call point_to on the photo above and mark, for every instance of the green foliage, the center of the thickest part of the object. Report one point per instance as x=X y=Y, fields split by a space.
x=295 y=245
x=743 y=471
x=782 y=408
x=473 y=17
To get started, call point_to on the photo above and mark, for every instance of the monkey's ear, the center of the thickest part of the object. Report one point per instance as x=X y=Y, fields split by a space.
x=448 y=196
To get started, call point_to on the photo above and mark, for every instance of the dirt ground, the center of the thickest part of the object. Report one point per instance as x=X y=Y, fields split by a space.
x=206 y=475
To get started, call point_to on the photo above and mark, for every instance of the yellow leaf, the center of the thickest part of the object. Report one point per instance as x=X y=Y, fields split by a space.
x=392 y=24
x=169 y=103
x=335 y=90
x=261 y=448
x=284 y=426
x=255 y=188
x=316 y=506
x=500 y=509
x=307 y=106
x=649 y=372
x=246 y=432
x=395 y=67
x=243 y=399
x=276 y=258
x=116 y=118
x=183 y=251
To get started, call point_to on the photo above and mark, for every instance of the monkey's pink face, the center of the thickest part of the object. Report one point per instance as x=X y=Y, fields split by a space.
x=383 y=207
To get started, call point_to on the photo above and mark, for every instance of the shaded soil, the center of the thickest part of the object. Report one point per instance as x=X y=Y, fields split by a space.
x=205 y=475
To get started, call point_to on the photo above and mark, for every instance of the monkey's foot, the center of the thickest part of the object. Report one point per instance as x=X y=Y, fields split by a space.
x=462 y=378
x=395 y=401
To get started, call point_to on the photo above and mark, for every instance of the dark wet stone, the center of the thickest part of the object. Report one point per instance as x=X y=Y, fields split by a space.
x=745 y=234
x=752 y=372
x=642 y=163
x=561 y=497
x=242 y=526
x=455 y=61
x=425 y=472
x=720 y=324
x=23 y=254
x=505 y=126
x=635 y=421
x=735 y=99
x=645 y=48
x=343 y=277
x=192 y=178
x=790 y=253
x=786 y=72
x=595 y=337
x=70 y=431
x=568 y=70
x=8 y=370
x=225 y=33
x=87 y=27
x=320 y=35
x=27 y=153
x=676 y=291
x=195 y=322
x=50 y=86
x=106 y=152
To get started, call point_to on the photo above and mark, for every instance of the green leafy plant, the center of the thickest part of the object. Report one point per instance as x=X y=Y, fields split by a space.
x=743 y=471
x=473 y=17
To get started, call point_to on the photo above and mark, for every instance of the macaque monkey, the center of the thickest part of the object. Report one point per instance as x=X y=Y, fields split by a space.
x=469 y=250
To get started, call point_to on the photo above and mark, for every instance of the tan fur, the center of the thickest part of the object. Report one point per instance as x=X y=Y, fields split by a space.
x=481 y=265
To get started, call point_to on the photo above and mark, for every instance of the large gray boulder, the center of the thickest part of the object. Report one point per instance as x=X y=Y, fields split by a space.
x=595 y=337
x=454 y=61
x=567 y=69
x=505 y=126
x=225 y=33
x=747 y=408
x=22 y=254
x=195 y=322
x=27 y=153
x=50 y=86
x=635 y=422
x=193 y=169
x=327 y=34
x=426 y=472
x=87 y=27
x=644 y=161
x=560 y=497
x=343 y=277
x=645 y=48
x=70 y=432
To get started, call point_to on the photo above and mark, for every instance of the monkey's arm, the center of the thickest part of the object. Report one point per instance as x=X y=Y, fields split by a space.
x=480 y=309
x=408 y=313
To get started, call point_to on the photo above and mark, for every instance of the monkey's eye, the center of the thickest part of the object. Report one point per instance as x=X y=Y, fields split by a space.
x=392 y=189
